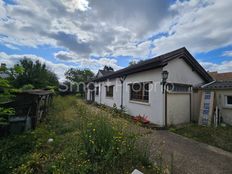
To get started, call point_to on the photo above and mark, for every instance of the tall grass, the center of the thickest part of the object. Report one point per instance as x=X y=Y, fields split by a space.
x=86 y=141
x=108 y=148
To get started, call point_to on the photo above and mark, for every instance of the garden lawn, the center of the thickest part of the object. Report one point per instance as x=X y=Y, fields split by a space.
x=86 y=139
x=220 y=137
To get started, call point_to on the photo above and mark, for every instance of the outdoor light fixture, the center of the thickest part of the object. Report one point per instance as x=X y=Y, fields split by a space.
x=164 y=82
x=164 y=76
x=164 y=79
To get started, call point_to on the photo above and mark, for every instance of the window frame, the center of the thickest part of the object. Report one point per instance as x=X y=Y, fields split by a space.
x=97 y=91
x=226 y=101
x=178 y=88
x=109 y=94
x=144 y=93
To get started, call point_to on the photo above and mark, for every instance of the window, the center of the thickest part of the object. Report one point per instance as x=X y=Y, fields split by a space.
x=139 y=92
x=97 y=90
x=109 y=91
x=228 y=100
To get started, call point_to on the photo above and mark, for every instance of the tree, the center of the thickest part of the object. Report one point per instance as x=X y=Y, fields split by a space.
x=35 y=74
x=79 y=77
x=134 y=62
x=6 y=91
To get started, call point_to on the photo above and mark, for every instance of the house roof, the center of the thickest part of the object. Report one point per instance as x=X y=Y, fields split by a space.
x=219 y=85
x=37 y=92
x=221 y=76
x=158 y=62
x=104 y=72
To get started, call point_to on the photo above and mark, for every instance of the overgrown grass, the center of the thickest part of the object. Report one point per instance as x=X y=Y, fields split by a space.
x=220 y=137
x=86 y=140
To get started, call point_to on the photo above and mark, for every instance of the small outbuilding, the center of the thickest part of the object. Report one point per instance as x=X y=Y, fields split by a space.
x=30 y=107
x=222 y=99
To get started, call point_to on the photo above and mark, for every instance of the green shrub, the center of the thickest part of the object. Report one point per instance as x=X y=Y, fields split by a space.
x=5 y=113
x=86 y=140
x=27 y=87
x=107 y=146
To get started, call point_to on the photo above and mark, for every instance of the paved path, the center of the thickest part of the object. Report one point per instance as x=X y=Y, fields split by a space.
x=190 y=156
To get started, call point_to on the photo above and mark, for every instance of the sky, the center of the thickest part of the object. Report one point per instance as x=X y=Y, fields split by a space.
x=92 y=33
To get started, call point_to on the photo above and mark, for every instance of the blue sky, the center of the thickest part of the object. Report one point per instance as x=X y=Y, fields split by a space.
x=91 y=34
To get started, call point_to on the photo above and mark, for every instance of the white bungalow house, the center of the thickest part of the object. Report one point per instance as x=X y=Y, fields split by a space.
x=139 y=88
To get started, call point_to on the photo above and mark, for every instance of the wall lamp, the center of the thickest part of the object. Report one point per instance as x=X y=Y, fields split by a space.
x=164 y=78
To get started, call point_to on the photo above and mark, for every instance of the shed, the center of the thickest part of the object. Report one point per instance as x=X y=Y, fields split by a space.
x=31 y=106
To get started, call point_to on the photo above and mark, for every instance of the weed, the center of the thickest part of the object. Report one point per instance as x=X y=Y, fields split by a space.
x=86 y=140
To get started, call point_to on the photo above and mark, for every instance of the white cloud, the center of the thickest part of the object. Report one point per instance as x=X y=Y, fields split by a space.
x=59 y=69
x=84 y=27
x=225 y=66
x=109 y=28
x=227 y=53
x=65 y=55
x=92 y=63
x=141 y=50
x=2 y=9
x=73 y=5
x=201 y=26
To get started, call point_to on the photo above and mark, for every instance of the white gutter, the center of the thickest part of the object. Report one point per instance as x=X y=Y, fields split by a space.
x=207 y=84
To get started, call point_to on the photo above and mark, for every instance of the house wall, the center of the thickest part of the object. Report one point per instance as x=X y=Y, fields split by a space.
x=87 y=94
x=154 y=109
x=226 y=112
x=109 y=101
x=181 y=72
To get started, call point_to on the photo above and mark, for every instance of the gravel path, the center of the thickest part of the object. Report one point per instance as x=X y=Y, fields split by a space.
x=189 y=156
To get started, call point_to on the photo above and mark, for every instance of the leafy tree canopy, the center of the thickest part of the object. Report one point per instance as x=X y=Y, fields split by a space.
x=35 y=73
x=134 y=62
x=5 y=91
x=77 y=75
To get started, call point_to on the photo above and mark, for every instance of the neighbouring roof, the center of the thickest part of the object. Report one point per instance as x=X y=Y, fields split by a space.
x=158 y=62
x=105 y=73
x=37 y=92
x=221 y=76
x=219 y=85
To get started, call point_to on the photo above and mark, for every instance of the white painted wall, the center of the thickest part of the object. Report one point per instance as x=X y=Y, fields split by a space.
x=87 y=94
x=153 y=109
x=181 y=72
x=226 y=111
x=109 y=101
